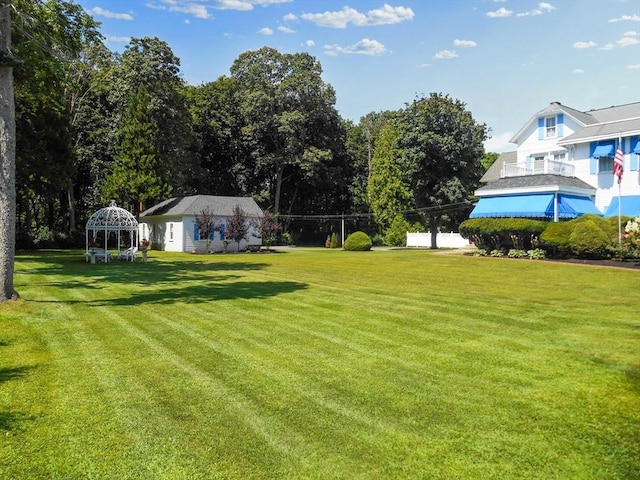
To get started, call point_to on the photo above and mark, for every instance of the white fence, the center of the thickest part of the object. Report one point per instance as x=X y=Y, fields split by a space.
x=443 y=240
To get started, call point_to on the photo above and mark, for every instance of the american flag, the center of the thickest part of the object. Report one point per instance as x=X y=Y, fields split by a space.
x=618 y=162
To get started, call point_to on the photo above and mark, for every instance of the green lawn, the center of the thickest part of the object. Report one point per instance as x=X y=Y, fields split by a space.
x=319 y=364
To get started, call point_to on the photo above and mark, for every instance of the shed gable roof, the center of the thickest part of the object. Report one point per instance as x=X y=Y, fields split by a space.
x=220 y=205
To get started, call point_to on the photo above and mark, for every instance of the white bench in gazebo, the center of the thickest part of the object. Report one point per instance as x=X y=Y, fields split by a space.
x=107 y=221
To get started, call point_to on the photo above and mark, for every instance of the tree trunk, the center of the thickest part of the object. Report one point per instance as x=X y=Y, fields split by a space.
x=7 y=159
x=433 y=227
x=72 y=206
x=276 y=207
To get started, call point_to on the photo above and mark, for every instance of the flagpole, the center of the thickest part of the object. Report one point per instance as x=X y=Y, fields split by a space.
x=618 y=169
x=619 y=221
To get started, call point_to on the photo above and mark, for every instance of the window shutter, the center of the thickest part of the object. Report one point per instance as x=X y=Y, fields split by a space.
x=560 y=125
x=223 y=227
x=196 y=232
x=540 y=128
x=634 y=156
x=593 y=162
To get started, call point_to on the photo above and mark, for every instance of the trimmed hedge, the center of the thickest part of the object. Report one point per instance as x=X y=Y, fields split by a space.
x=496 y=233
x=358 y=242
x=588 y=236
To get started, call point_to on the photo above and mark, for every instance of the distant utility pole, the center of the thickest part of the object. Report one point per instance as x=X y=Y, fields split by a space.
x=7 y=157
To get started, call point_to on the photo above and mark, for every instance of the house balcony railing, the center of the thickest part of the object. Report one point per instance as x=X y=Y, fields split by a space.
x=537 y=167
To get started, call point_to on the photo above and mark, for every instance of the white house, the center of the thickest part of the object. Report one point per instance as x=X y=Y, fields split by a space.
x=563 y=166
x=171 y=225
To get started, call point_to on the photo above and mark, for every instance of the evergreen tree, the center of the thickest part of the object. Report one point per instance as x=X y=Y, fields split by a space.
x=137 y=176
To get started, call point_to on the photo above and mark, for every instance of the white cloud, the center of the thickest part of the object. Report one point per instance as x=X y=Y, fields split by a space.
x=588 y=44
x=284 y=29
x=634 y=66
x=543 y=7
x=578 y=71
x=500 y=13
x=243 y=5
x=425 y=65
x=100 y=12
x=626 y=41
x=363 y=47
x=289 y=17
x=181 y=6
x=265 y=31
x=309 y=43
x=444 y=54
x=624 y=18
x=464 y=43
x=386 y=15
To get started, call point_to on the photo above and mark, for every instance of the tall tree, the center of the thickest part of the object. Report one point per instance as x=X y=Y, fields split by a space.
x=217 y=146
x=443 y=148
x=51 y=36
x=137 y=175
x=151 y=62
x=360 y=145
x=290 y=123
x=7 y=157
x=389 y=188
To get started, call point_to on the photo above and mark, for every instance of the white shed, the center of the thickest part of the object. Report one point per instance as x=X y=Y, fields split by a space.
x=171 y=225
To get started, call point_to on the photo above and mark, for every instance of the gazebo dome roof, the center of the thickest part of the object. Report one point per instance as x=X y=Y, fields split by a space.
x=112 y=218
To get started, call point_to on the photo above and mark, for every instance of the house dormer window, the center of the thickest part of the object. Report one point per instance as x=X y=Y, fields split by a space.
x=550 y=127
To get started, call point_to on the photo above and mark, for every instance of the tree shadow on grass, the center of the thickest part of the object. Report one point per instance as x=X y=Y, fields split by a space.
x=195 y=293
x=169 y=281
x=11 y=421
x=76 y=274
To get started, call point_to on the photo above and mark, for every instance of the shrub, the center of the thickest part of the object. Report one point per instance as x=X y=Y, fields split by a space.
x=588 y=236
x=588 y=240
x=555 y=238
x=517 y=253
x=334 y=240
x=357 y=242
x=494 y=233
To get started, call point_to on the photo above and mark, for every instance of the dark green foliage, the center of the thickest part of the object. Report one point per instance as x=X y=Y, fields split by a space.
x=493 y=233
x=358 y=242
x=137 y=174
x=589 y=236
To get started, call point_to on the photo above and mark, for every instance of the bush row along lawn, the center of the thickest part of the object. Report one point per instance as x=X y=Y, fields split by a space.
x=319 y=364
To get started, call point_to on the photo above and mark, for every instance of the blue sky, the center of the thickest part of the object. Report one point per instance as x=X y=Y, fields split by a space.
x=505 y=59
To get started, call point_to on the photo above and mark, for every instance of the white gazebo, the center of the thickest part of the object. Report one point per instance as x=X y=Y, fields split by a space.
x=108 y=220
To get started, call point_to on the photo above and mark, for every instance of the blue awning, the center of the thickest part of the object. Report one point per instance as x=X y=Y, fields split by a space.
x=636 y=149
x=572 y=206
x=629 y=206
x=603 y=151
x=530 y=206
